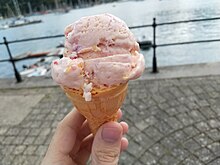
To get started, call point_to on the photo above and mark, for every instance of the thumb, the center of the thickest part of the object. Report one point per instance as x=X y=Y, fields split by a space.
x=107 y=144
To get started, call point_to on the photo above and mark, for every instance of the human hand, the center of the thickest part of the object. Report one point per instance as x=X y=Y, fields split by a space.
x=73 y=142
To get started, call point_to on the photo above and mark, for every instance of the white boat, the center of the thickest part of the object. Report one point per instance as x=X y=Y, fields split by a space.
x=42 y=66
x=4 y=26
x=21 y=21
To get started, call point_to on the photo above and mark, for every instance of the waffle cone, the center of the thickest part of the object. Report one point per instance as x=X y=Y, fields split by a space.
x=102 y=108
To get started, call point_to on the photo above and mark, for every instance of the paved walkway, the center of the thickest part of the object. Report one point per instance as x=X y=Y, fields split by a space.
x=172 y=121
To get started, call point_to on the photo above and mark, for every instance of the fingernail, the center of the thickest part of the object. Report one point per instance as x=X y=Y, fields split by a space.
x=111 y=134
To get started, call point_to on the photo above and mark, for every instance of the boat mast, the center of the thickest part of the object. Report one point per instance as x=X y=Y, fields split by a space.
x=18 y=11
x=30 y=8
x=9 y=11
x=56 y=4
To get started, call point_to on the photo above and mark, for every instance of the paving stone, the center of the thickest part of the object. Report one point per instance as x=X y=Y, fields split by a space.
x=45 y=131
x=39 y=160
x=36 y=111
x=2 y=139
x=176 y=92
x=148 y=159
x=135 y=149
x=180 y=153
x=141 y=125
x=197 y=89
x=174 y=121
x=50 y=117
x=3 y=130
x=201 y=97
x=29 y=140
x=180 y=136
x=36 y=124
x=126 y=158
x=24 y=132
x=31 y=160
x=216 y=109
x=133 y=131
x=192 y=105
x=41 y=150
x=54 y=124
x=202 y=126
x=7 y=150
x=26 y=124
x=13 y=132
x=203 y=103
x=192 y=160
x=153 y=133
x=30 y=150
x=207 y=112
x=7 y=160
x=203 y=140
x=143 y=140
x=214 y=123
x=169 y=143
x=171 y=111
x=186 y=91
x=213 y=94
x=142 y=106
x=19 y=160
x=214 y=134
x=182 y=109
x=34 y=132
x=41 y=117
x=40 y=140
x=48 y=140
x=19 y=149
x=151 y=120
x=204 y=155
x=168 y=160
x=196 y=115
x=158 y=150
x=162 y=115
x=18 y=140
x=185 y=119
x=137 y=163
x=158 y=98
x=8 y=139
x=46 y=124
x=215 y=148
x=153 y=111
x=163 y=127
x=215 y=162
x=163 y=105
x=191 y=145
x=173 y=103
x=208 y=88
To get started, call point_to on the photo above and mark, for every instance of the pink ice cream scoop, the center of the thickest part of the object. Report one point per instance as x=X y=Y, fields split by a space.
x=100 y=51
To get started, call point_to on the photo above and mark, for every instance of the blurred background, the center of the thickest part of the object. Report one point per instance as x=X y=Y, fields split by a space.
x=22 y=19
x=173 y=116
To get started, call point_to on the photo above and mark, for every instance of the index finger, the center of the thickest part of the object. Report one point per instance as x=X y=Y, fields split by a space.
x=66 y=132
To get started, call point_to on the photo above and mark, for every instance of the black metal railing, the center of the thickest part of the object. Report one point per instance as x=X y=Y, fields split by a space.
x=154 y=45
x=154 y=25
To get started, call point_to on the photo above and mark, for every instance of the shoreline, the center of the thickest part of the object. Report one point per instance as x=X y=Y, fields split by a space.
x=168 y=72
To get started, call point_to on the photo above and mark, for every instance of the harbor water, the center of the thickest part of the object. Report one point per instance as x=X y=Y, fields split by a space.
x=133 y=13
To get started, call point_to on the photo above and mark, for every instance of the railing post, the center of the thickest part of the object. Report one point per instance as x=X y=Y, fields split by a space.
x=17 y=75
x=154 y=65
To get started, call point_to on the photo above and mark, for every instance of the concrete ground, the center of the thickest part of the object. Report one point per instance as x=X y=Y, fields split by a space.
x=173 y=119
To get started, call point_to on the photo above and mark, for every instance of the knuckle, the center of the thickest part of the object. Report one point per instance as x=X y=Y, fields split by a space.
x=107 y=155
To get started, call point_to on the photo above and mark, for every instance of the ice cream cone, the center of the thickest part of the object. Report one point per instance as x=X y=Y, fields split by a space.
x=102 y=108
